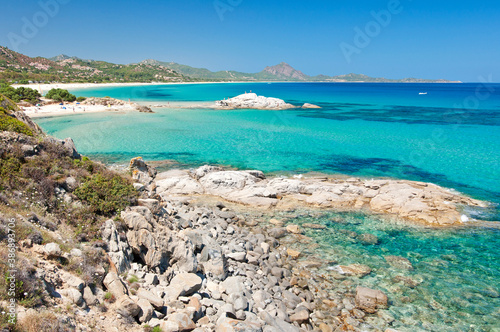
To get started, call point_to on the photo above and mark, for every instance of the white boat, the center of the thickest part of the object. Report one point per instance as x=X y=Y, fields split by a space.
x=422 y=93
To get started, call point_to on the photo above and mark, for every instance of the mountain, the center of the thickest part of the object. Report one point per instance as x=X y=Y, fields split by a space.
x=285 y=71
x=62 y=68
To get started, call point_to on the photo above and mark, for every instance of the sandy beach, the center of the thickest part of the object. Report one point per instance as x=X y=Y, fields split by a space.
x=72 y=108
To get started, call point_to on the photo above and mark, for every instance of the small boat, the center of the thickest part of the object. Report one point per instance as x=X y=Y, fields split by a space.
x=422 y=93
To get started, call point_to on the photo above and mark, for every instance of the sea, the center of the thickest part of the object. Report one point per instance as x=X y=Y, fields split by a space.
x=447 y=134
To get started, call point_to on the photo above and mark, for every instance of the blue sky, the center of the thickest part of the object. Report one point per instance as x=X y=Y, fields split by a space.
x=457 y=40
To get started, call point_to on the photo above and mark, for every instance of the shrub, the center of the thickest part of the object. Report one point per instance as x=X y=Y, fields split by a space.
x=60 y=95
x=79 y=99
x=106 y=193
x=132 y=279
x=9 y=123
x=20 y=94
x=109 y=297
x=42 y=322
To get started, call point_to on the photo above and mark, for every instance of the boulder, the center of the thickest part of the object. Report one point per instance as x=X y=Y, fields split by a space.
x=126 y=307
x=73 y=295
x=115 y=285
x=370 y=300
x=52 y=250
x=294 y=229
x=146 y=311
x=89 y=296
x=226 y=324
x=119 y=251
x=156 y=301
x=251 y=100
x=183 y=284
x=142 y=172
x=182 y=321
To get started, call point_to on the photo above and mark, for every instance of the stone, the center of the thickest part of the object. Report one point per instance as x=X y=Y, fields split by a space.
x=314 y=226
x=182 y=321
x=141 y=172
x=307 y=105
x=300 y=316
x=399 y=262
x=251 y=100
x=277 y=233
x=52 y=250
x=370 y=300
x=126 y=307
x=146 y=311
x=325 y=328
x=358 y=270
x=237 y=256
x=73 y=295
x=151 y=279
x=233 y=285
x=114 y=285
x=76 y=252
x=226 y=324
x=294 y=229
x=183 y=284
x=119 y=251
x=293 y=253
x=89 y=297
x=156 y=301
x=368 y=238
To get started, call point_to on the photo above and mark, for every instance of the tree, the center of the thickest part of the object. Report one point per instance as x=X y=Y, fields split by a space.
x=60 y=95
x=20 y=94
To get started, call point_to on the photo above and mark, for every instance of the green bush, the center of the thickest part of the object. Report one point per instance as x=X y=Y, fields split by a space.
x=60 y=95
x=79 y=99
x=8 y=123
x=20 y=94
x=106 y=193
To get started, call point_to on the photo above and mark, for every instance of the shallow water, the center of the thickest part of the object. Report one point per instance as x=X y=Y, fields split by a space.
x=451 y=137
x=457 y=270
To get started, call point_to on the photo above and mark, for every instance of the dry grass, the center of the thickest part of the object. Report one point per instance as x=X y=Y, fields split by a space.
x=42 y=322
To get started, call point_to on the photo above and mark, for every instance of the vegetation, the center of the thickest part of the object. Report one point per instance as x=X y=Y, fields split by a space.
x=60 y=95
x=106 y=193
x=10 y=123
x=20 y=94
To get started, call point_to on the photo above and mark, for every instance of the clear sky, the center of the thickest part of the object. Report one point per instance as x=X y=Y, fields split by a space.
x=457 y=40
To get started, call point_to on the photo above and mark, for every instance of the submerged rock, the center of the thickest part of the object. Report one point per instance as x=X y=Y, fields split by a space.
x=370 y=300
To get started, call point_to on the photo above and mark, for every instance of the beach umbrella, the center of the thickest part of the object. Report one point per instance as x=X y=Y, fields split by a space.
x=61 y=104
x=78 y=103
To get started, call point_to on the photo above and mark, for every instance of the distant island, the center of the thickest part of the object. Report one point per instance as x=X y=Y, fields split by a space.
x=18 y=68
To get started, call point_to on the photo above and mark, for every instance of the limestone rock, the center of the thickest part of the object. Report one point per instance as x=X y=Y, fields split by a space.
x=141 y=172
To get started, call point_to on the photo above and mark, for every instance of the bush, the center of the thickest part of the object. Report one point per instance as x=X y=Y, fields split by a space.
x=42 y=322
x=60 y=95
x=20 y=94
x=8 y=123
x=79 y=99
x=106 y=193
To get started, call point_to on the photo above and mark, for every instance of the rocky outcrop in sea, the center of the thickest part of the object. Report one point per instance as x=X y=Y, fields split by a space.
x=252 y=101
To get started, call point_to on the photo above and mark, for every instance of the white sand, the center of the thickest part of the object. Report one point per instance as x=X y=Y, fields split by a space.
x=72 y=108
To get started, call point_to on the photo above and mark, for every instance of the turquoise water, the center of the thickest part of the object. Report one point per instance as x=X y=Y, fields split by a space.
x=451 y=137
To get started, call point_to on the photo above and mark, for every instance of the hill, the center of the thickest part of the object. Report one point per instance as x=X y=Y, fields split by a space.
x=18 y=67
x=63 y=68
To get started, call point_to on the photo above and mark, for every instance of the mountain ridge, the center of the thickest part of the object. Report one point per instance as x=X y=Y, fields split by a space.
x=63 y=68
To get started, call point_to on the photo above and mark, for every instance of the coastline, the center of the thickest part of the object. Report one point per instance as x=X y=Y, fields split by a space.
x=46 y=87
